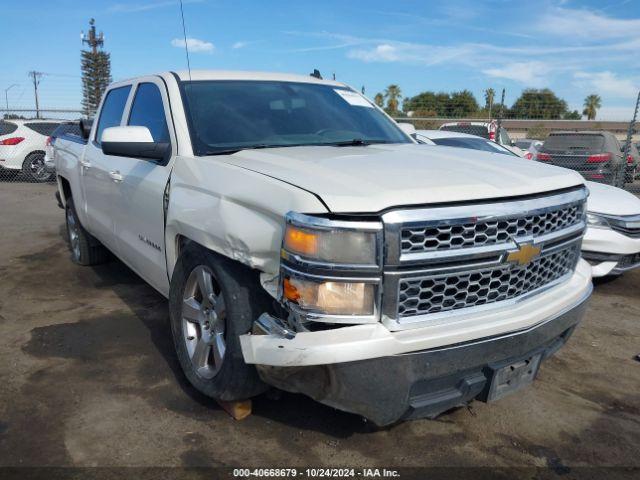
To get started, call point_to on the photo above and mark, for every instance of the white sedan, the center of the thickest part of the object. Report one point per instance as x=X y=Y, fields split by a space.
x=22 y=148
x=612 y=242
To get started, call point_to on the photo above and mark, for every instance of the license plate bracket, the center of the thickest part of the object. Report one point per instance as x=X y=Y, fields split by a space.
x=508 y=378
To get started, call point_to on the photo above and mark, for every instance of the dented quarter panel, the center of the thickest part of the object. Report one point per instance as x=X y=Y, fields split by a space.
x=231 y=210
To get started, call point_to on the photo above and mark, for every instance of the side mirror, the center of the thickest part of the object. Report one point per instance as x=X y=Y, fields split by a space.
x=408 y=128
x=85 y=127
x=513 y=143
x=132 y=141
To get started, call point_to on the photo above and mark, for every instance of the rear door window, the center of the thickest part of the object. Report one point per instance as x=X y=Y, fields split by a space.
x=112 y=109
x=42 y=128
x=7 y=128
x=574 y=142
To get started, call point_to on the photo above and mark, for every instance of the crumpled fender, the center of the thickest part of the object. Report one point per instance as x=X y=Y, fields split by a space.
x=231 y=210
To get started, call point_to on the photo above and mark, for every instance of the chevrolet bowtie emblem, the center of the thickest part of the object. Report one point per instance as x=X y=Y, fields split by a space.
x=524 y=254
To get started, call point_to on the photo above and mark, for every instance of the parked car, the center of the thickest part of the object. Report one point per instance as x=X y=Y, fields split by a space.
x=22 y=148
x=612 y=242
x=461 y=140
x=71 y=129
x=305 y=241
x=612 y=239
x=485 y=130
x=595 y=155
x=529 y=146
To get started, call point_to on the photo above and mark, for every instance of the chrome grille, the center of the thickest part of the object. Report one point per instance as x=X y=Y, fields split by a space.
x=445 y=292
x=444 y=261
x=487 y=232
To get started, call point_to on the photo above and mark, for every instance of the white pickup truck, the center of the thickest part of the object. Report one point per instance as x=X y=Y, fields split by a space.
x=305 y=241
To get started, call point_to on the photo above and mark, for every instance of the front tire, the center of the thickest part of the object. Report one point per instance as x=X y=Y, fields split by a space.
x=34 y=169
x=85 y=249
x=212 y=301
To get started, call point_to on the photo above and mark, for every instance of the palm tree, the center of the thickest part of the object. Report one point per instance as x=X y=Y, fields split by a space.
x=591 y=105
x=393 y=96
x=379 y=99
x=489 y=95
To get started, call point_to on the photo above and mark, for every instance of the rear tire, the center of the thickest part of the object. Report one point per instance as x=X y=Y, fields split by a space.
x=85 y=249
x=34 y=169
x=212 y=301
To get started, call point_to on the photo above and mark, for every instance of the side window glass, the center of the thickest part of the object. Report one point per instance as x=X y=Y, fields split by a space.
x=112 y=110
x=147 y=110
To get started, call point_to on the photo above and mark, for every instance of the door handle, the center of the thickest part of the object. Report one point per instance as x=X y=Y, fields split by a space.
x=116 y=176
x=84 y=164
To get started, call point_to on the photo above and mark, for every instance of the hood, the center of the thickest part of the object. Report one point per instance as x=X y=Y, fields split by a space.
x=377 y=177
x=608 y=200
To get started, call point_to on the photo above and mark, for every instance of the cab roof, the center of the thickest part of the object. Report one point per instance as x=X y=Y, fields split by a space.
x=198 y=75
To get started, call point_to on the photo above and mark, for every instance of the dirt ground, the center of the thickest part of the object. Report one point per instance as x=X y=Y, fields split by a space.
x=89 y=378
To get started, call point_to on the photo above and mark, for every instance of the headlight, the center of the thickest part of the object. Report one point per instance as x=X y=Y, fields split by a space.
x=594 y=220
x=331 y=268
x=313 y=239
x=331 y=245
x=330 y=297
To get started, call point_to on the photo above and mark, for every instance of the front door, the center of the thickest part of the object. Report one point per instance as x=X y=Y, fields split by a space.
x=139 y=195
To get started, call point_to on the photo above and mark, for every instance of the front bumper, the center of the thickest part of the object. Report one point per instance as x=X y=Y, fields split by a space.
x=428 y=382
x=610 y=252
x=368 y=341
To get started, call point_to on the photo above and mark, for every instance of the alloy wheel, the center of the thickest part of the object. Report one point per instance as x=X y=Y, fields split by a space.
x=203 y=322
x=74 y=234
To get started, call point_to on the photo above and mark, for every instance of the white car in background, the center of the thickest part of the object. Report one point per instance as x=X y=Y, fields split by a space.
x=22 y=148
x=486 y=130
x=461 y=140
x=612 y=242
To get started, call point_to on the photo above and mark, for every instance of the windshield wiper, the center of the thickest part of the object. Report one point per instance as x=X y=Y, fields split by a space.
x=230 y=151
x=354 y=142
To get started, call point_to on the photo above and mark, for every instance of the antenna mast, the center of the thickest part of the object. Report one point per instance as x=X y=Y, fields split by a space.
x=184 y=33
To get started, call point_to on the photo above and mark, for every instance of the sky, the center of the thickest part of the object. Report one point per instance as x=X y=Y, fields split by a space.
x=573 y=47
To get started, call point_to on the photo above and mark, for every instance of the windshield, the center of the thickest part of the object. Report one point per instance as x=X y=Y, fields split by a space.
x=478 y=130
x=472 y=143
x=233 y=115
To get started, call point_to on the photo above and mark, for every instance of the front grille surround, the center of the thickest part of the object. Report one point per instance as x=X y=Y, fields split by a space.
x=473 y=269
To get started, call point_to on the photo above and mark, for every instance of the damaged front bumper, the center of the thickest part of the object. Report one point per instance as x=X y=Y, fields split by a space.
x=426 y=383
x=388 y=375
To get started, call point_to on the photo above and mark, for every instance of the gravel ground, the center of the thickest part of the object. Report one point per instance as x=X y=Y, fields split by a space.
x=89 y=378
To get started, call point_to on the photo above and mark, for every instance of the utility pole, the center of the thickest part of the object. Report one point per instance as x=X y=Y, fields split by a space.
x=6 y=97
x=36 y=76
x=93 y=40
x=500 y=118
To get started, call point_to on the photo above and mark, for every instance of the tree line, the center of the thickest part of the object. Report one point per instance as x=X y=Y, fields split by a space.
x=532 y=103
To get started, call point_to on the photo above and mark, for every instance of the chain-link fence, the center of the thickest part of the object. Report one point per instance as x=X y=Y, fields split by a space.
x=26 y=142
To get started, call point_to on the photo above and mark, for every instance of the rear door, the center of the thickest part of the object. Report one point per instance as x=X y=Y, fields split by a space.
x=96 y=170
x=138 y=197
